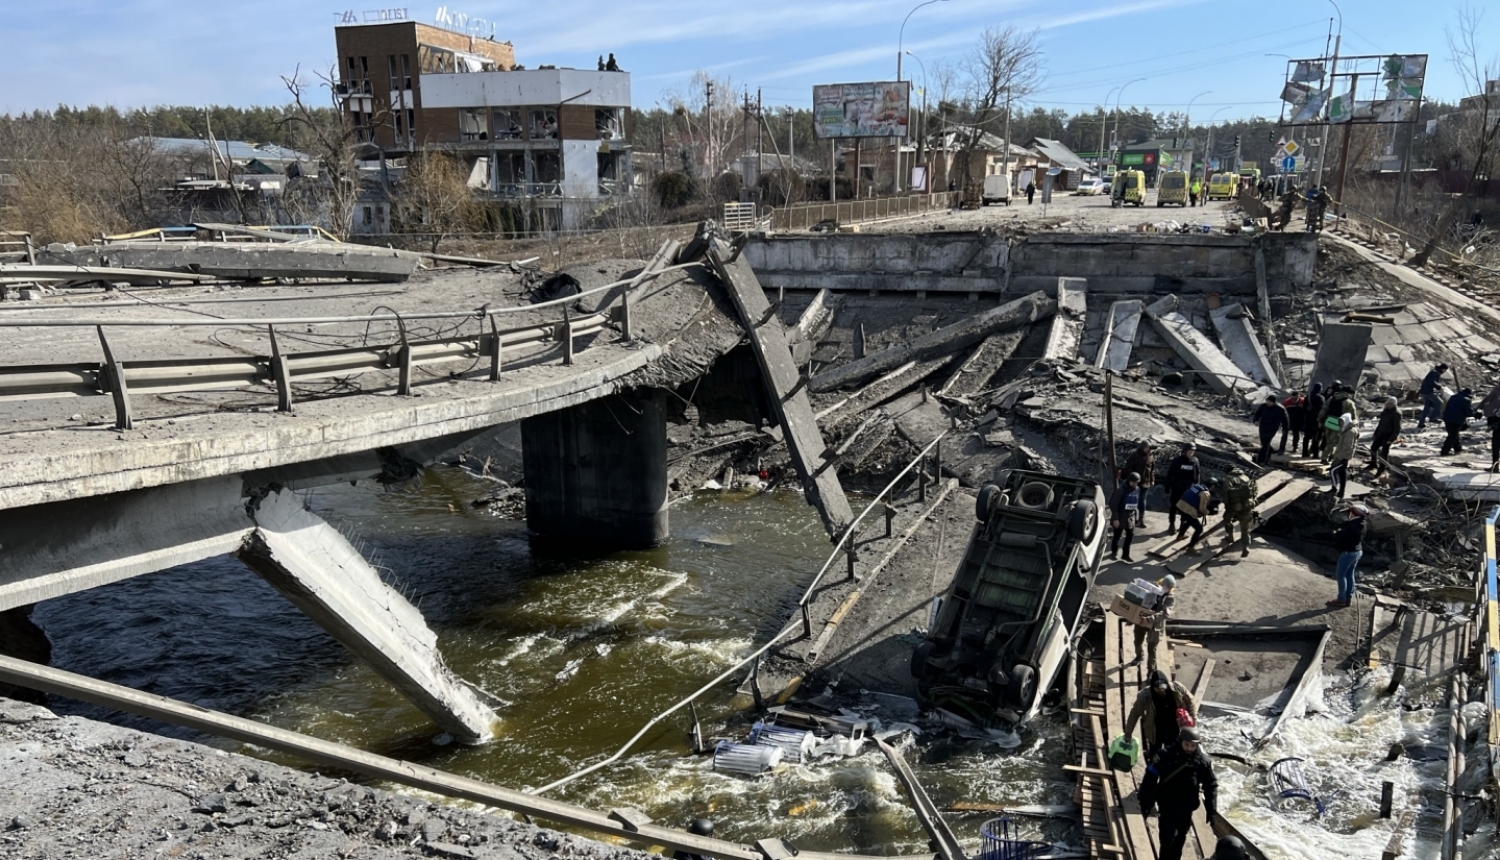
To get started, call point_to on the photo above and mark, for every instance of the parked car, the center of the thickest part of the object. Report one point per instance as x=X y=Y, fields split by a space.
x=1007 y=623
x=1091 y=186
x=996 y=189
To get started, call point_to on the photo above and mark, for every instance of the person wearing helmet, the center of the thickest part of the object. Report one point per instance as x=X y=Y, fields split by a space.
x=698 y=827
x=1150 y=633
x=1240 y=493
x=1230 y=848
x=1172 y=784
x=1194 y=506
x=1349 y=541
x=1181 y=474
x=1142 y=461
x=1123 y=507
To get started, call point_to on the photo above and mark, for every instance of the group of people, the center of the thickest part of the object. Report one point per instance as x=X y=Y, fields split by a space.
x=1317 y=204
x=1191 y=496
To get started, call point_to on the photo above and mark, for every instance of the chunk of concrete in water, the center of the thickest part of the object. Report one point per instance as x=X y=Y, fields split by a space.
x=1341 y=352
x=1067 y=324
x=1211 y=364
x=1242 y=345
x=1119 y=335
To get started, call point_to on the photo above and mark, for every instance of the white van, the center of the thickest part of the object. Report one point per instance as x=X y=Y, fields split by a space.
x=996 y=189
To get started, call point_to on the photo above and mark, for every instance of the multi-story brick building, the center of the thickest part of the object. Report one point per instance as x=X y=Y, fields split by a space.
x=552 y=137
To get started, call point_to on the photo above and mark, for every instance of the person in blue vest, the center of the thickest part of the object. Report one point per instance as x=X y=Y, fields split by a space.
x=1195 y=505
x=1123 y=506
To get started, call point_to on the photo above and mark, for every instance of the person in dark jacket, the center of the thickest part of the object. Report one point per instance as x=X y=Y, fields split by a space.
x=1030 y=192
x=1123 y=506
x=1296 y=409
x=1172 y=784
x=1271 y=417
x=1349 y=540
x=1141 y=461
x=1312 y=430
x=1181 y=474
x=1432 y=398
x=1456 y=419
x=1155 y=711
x=1489 y=407
x=1386 y=431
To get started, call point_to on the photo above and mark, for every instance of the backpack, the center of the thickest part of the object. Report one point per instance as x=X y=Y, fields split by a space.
x=1239 y=494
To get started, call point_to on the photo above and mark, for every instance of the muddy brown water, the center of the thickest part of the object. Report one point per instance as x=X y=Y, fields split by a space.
x=578 y=653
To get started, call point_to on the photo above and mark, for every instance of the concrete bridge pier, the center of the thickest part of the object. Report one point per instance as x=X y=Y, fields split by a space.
x=596 y=473
x=64 y=547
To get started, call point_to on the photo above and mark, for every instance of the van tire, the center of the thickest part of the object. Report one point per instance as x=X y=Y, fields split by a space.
x=1022 y=688
x=1083 y=520
x=989 y=496
x=1034 y=495
x=919 y=657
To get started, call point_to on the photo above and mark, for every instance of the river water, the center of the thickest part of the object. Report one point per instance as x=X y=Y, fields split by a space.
x=579 y=653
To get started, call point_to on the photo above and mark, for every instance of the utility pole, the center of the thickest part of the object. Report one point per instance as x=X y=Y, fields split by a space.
x=760 y=164
x=791 y=140
x=745 y=145
x=708 y=123
x=1007 y=137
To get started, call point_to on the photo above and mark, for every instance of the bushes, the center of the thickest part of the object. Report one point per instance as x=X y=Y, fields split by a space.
x=673 y=189
x=782 y=187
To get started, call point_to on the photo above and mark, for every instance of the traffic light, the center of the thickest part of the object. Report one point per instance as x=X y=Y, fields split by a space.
x=1271 y=136
x=1174 y=143
x=1236 y=141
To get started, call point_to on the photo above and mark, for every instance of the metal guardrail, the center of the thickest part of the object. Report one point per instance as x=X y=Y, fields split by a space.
x=804 y=215
x=786 y=632
x=1489 y=604
x=120 y=379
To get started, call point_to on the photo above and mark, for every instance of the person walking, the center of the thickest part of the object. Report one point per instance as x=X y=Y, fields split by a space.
x=1030 y=192
x=1194 y=506
x=1340 y=402
x=1312 y=428
x=1296 y=406
x=1156 y=710
x=1194 y=190
x=1456 y=415
x=1271 y=417
x=1432 y=397
x=1386 y=431
x=1123 y=506
x=1343 y=452
x=1239 y=506
x=1150 y=634
x=1181 y=474
x=1172 y=785
x=1349 y=540
x=1141 y=461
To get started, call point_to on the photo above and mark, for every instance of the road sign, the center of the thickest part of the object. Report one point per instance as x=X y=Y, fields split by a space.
x=1288 y=164
x=1291 y=147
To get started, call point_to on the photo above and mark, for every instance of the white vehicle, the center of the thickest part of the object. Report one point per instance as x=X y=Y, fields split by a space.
x=996 y=189
x=1004 y=629
x=1091 y=186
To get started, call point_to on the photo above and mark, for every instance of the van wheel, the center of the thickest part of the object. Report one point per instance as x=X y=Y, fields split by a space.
x=1159 y=204
x=1022 y=690
x=1083 y=520
x=989 y=496
x=919 y=657
x=1035 y=495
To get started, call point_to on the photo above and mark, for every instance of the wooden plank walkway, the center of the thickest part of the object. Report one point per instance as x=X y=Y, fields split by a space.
x=1287 y=490
x=1113 y=824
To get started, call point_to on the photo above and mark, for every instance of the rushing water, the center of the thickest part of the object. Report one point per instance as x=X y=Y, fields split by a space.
x=578 y=654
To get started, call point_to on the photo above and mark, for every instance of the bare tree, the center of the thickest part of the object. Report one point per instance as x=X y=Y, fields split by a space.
x=333 y=142
x=1479 y=130
x=714 y=130
x=434 y=197
x=1006 y=67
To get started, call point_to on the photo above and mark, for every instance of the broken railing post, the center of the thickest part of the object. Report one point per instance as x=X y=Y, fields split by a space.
x=937 y=462
x=922 y=482
x=114 y=377
x=1387 y=790
x=403 y=361
x=497 y=356
x=567 y=327
x=852 y=555
x=806 y=622
x=280 y=374
x=625 y=326
x=890 y=516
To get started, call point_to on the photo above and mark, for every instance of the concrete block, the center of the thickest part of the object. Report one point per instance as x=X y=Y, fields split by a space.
x=1120 y=328
x=1236 y=334
x=1211 y=365
x=1341 y=352
x=1067 y=324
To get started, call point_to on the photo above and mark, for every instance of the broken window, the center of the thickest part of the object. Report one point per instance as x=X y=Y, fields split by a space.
x=547 y=165
x=473 y=124
x=406 y=71
x=543 y=124
x=433 y=60
x=510 y=173
x=369 y=216
x=610 y=123
x=506 y=123
x=411 y=122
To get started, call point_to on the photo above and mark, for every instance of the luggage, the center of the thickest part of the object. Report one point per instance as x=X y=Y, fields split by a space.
x=1123 y=752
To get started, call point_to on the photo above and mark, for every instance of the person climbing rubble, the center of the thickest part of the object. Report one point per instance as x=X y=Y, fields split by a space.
x=1489 y=407
x=1432 y=396
x=1312 y=428
x=1195 y=505
x=1296 y=417
x=1349 y=540
x=1456 y=414
x=1271 y=417
x=1239 y=507
x=1342 y=453
x=1150 y=635
x=1340 y=402
x=1387 y=430
x=1183 y=472
x=1123 y=507
x=1161 y=708
x=1172 y=784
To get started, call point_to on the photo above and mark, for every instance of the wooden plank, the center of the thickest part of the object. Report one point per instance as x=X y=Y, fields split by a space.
x=1393 y=848
x=1270 y=507
x=1201 y=685
x=1137 y=834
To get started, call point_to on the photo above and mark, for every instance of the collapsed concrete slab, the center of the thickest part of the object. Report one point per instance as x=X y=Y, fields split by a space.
x=314 y=567
x=1119 y=335
x=1341 y=353
x=1210 y=364
x=245 y=260
x=815 y=320
x=1067 y=323
x=1012 y=315
x=784 y=387
x=1236 y=333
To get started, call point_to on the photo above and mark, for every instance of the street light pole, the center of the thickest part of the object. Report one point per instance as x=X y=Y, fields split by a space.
x=1187 y=125
x=1118 y=99
x=1209 y=150
x=922 y=127
x=901 y=35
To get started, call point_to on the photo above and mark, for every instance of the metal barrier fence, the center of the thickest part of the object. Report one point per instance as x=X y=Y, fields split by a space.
x=803 y=215
x=120 y=379
x=1489 y=603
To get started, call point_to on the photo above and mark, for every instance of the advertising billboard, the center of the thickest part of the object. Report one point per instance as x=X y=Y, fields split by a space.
x=878 y=109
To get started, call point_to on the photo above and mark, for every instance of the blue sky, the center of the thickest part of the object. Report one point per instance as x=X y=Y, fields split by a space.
x=143 y=52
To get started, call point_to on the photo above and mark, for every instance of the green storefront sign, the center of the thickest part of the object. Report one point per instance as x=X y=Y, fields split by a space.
x=1132 y=159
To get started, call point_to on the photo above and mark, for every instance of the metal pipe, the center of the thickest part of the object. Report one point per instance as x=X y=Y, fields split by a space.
x=215 y=321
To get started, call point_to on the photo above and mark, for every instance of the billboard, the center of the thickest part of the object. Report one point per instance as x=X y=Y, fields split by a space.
x=878 y=109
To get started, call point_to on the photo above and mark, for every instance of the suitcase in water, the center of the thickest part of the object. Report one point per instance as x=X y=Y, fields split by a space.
x=1123 y=753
